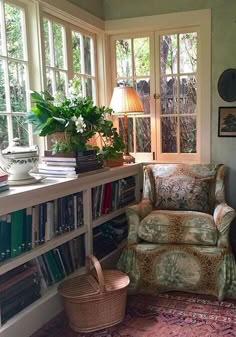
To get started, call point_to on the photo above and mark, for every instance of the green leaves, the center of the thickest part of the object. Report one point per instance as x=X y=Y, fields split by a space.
x=49 y=118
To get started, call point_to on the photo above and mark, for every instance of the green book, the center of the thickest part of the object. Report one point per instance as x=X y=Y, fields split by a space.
x=2 y=248
x=52 y=264
x=17 y=221
x=28 y=229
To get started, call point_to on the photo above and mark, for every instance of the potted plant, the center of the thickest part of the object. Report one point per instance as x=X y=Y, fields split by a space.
x=71 y=121
x=111 y=151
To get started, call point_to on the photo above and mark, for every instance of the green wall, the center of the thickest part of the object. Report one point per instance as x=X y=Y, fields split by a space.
x=223 y=57
x=94 y=7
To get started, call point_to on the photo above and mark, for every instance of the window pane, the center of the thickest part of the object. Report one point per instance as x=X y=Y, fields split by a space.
x=143 y=134
x=123 y=58
x=168 y=54
x=58 y=41
x=130 y=132
x=143 y=88
x=1 y=39
x=188 y=134
x=46 y=42
x=2 y=87
x=49 y=79
x=76 y=52
x=87 y=55
x=78 y=88
x=20 y=129
x=128 y=83
x=89 y=89
x=3 y=132
x=188 y=52
x=168 y=99
x=14 y=31
x=142 y=56
x=188 y=94
x=60 y=82
x=169 y=134
x=17 y=79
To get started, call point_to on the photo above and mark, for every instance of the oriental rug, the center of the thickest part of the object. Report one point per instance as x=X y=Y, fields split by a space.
x=164 y=315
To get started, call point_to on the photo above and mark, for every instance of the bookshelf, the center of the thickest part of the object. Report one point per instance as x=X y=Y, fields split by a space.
x=49 y=304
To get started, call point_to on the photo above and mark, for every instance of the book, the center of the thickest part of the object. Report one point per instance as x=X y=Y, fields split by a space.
x=3 y=176
x=28 y=228
x=17 y=220
x=4 y=188
x=46 y=167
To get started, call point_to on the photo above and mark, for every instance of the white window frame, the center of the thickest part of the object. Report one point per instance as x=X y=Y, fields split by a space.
x=26 y=61
x=52 y=66
x=139 y=156
x=174 y=22
x=69 y=23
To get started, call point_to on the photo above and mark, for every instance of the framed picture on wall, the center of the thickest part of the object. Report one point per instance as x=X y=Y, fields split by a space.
x=227 y=122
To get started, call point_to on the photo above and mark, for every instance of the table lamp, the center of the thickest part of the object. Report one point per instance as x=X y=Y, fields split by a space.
x=125 y=101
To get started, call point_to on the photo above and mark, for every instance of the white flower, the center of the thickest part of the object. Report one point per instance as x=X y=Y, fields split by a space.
x=79 y=123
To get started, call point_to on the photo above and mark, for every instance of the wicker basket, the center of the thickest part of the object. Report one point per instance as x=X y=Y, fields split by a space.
x=95 y=302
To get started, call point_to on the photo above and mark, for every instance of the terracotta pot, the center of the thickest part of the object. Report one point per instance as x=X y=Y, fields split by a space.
x=114 y=161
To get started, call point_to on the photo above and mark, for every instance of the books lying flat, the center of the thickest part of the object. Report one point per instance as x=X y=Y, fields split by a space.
x=45 y=167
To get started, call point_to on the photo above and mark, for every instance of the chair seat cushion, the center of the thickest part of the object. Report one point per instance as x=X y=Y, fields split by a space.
x=184 y=227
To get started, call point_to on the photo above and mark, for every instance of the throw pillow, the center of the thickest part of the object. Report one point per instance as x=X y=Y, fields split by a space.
x=182 y=193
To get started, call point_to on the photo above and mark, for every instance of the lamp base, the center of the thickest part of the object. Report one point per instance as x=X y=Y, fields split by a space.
x=128 y=159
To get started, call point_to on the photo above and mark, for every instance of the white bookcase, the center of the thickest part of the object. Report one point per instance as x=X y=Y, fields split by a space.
x=34 y=316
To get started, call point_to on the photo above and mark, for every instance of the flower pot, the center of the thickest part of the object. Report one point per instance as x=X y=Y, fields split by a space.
x=113 y=162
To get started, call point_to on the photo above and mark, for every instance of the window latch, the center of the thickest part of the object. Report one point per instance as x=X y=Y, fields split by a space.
x=157 y=96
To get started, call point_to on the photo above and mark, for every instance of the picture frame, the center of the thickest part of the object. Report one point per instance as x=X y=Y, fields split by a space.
x=227 y=122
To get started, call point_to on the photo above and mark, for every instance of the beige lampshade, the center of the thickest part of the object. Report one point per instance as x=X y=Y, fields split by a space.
x=126 y=100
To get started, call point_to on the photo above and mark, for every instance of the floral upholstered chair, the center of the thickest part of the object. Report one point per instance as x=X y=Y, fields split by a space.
x=178 y=233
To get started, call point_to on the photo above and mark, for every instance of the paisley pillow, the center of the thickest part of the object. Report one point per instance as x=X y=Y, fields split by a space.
x=184 y=193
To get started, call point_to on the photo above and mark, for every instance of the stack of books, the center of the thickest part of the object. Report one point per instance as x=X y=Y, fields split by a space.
x=3 y=182
x=68 y=164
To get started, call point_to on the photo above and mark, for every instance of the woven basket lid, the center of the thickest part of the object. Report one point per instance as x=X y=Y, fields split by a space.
x=95 y=281
x=115 y=280
x=79 y=286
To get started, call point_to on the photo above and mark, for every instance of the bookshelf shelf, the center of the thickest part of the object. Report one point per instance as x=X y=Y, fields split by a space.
x=109 y=216
x=37 y=251
x=28 y=320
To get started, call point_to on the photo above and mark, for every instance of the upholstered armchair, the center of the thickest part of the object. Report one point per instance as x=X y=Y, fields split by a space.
x=178 y=234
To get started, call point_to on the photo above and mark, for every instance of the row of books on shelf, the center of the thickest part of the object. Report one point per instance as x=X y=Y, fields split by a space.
x=25 y=284
x=112 y=196
x=108 y=236
x=4 y=186
x=24 y=229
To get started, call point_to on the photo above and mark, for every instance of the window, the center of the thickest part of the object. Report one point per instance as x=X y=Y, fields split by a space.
x=55 y=57
x=83 y=63
x=68 y=52
x=14 y=75
x=174 y=70
x=133 y=67
x=178 y=94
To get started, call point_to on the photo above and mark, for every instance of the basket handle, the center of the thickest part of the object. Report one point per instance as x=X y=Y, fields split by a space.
x=92 y=259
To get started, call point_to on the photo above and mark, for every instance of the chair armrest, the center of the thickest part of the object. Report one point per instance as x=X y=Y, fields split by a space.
x=135 y=214
x=223 y=216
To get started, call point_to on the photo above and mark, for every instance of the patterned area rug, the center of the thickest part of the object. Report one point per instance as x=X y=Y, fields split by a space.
x=165 y=315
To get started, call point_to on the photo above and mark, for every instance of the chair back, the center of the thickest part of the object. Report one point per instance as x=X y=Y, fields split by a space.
x=160 y=177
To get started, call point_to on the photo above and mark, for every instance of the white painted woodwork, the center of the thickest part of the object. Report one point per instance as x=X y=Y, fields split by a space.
x=49 y=305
